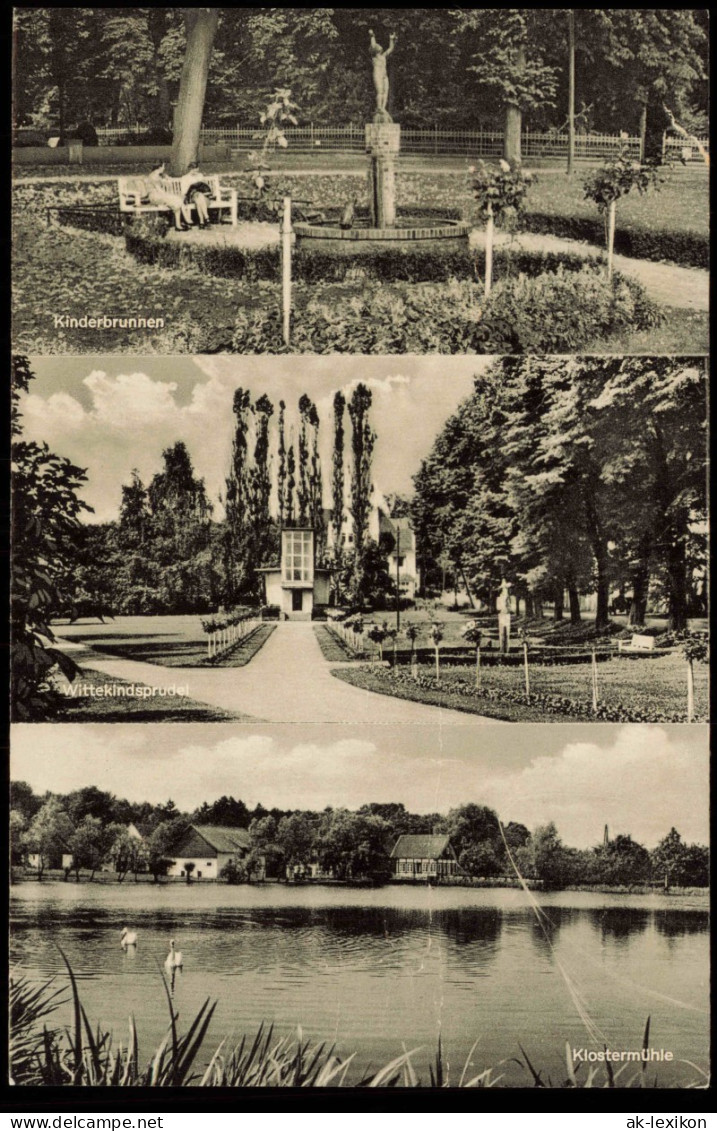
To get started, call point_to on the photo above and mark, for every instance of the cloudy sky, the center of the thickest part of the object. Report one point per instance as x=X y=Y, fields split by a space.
x=111 y=414
x=636 y=779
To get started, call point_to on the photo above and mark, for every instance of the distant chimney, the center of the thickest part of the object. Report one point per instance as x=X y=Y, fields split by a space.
x=606 y=836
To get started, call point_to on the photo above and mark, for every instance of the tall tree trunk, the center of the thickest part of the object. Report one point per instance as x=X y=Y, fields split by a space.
x=640 y=579
x=529 y=605
x=157 y=27
x=574 y=603
x=598 y=543
x=677 y=583
x=511 y=141
x=602 y=609
x=559 y=606
x=571 y=90
x=201 y=27
x=513 y=120
x=465 y=582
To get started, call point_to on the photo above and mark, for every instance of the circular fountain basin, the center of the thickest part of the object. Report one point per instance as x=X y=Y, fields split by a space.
x=409 y=234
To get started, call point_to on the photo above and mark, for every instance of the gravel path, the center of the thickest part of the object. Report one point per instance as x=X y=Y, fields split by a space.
x=686 y=288
x=288 y=681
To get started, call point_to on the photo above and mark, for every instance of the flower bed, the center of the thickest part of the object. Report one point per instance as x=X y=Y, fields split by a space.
x=555 y=313
x=638 y=703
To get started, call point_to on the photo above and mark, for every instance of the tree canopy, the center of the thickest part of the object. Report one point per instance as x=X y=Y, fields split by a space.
x=577 y=474
x=452 y=67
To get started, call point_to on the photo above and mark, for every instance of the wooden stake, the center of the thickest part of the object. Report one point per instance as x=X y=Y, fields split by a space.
x=527 y=673
x=478 y=667
x=595 y=682
x=489 y=228
x=610 y=236
x=690 y=691
x=286 y=233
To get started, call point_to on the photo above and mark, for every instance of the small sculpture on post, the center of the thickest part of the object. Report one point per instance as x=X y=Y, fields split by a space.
x=380 y=75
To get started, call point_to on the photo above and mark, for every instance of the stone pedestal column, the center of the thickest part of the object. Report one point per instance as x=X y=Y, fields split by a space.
x=504 y=631
x=383 y=140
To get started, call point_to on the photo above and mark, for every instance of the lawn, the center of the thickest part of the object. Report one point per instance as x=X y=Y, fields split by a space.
x=135 y=709
x=182 y=650
x=680 y=204
x=62 y=271
x=332 y=647
x=684 y=332
x=654 y=687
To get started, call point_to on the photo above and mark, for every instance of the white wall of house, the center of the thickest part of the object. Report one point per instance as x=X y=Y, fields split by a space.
x=205 y=867
x=280 y=593
x=424 y=867
x=34 y=859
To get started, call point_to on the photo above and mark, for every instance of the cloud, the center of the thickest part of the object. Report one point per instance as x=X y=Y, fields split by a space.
x=641 y=781
x=646 y=781
x=377 y=384
x=130 y=400
x=59 y=414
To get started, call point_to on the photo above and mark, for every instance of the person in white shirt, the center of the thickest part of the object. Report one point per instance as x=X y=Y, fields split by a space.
x=160 y=192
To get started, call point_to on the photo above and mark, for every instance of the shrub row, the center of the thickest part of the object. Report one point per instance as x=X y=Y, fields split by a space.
x=691 y=249
x=226 y=262
x=91 y=218
x=387 y=265
x=561 y=312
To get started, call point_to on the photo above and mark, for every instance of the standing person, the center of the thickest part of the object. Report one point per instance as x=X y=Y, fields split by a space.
x=195 y=191
x=160 y=192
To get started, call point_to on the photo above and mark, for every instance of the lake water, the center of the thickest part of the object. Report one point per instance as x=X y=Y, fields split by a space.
x=376 y=970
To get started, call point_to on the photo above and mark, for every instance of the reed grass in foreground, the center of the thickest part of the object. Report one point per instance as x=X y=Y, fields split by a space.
x=46 y=1055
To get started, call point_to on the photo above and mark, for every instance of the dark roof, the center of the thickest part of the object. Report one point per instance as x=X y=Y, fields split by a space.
x=401 y=529
x=218 y=838
x=420 y=847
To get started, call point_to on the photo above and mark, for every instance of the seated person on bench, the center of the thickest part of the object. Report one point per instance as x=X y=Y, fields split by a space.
x=196 y=190
x=160 y=192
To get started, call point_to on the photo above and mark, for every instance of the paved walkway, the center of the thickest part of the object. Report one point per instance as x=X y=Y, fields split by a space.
x=288 y=681
x=687 y=288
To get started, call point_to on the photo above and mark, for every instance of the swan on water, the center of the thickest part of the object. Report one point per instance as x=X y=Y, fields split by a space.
x=128 y=938
x=174 y=958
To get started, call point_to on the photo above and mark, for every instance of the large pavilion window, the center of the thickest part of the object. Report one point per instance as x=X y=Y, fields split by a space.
x=297 y=559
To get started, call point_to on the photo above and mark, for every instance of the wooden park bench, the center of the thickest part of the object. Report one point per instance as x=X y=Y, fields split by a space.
x=133 y=196
x=637 y=644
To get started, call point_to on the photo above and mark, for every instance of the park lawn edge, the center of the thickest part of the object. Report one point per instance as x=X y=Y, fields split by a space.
x=450 y=701
x=155 y=709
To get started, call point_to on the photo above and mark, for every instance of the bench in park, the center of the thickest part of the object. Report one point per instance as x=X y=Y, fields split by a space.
x=637 y=644
x=133 y=196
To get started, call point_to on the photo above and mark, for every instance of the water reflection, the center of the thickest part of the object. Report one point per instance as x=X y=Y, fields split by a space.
x=673 y=925
x=374 y=970
x=618 y=924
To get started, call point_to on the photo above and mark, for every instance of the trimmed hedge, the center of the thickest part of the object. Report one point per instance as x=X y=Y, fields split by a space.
x=690 y=249
x=554 y=313
x=90 y=218
x=386 y=265
x=225 y=262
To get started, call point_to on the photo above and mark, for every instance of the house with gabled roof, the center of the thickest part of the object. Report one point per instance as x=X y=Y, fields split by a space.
x=422 y=856
x=206 y=849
